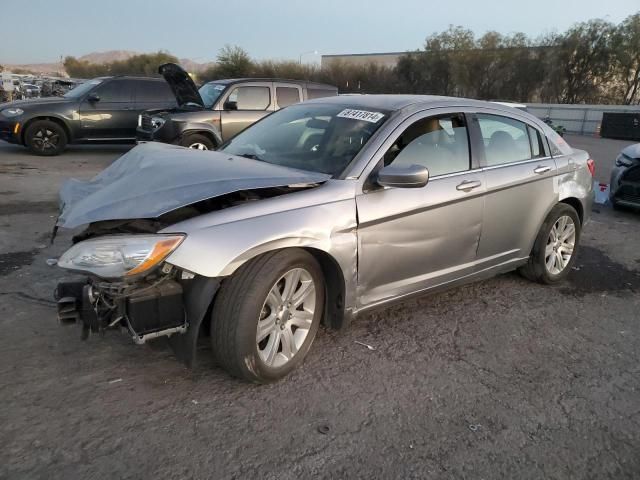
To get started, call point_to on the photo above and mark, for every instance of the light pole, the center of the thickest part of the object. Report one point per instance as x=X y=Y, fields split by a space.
x=315 y=52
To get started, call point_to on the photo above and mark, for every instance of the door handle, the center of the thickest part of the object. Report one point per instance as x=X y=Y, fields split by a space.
x=468 y=185
x=542 y=169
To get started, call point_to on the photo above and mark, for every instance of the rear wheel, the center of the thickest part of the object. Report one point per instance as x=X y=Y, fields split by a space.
x=197 y=141
x=554 y=251
x=46 y=138
x=267 y=314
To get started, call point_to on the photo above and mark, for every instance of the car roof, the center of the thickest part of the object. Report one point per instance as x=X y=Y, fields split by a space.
x=228 y=81
x=395 y=103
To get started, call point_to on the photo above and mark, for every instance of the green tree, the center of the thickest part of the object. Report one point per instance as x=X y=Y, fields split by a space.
x=584 y=54
x=626 y=60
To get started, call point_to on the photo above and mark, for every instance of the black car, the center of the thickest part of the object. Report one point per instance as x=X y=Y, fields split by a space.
x=625 y=178
x=220 y=109
x=102 y=110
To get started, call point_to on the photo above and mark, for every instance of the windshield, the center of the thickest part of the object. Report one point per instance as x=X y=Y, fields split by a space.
x=81 y=89
x=316 y=137
x=210 y=93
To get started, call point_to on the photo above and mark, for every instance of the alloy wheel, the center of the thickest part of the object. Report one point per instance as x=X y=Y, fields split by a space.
x=286 y=317
x=560 y=245
x=198 y=146
x=45 y=139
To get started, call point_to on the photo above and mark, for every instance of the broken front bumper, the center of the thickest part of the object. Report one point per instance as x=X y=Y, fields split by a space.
x=164 y=307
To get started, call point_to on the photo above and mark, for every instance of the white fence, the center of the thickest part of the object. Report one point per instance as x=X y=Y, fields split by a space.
x=582 y=119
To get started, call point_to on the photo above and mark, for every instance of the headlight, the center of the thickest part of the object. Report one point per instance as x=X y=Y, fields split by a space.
x=12 y=112
x=119 y=256
x=157 y=122
x=623 y=161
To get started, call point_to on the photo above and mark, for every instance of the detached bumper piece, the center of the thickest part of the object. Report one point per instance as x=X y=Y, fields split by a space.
x=146 y=310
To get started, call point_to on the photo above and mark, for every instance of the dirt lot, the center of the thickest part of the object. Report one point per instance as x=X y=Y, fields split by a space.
x=501 y=379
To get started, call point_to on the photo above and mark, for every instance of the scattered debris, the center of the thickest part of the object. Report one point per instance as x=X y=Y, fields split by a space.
x=474 y=427
x=370 y=347
x=323 y=429
x=52 y=261
x=602 y=192
x=195 y=402
x=115 y=380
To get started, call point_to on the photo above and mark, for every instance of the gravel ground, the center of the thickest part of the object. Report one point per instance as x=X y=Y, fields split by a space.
x=499 y=379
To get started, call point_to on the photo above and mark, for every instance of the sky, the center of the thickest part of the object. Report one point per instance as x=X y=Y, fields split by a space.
x=44 y=30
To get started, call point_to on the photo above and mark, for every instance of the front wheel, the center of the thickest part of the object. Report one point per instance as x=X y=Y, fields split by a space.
x=45 y=138
x=266 y=315
x=197 y=141
x=554 y=251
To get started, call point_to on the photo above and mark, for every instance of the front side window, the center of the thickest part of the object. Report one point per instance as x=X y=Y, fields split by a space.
x=286 y=96
x=439 y=143
x=251 y=98
x=505 y=140
x=316 y=137
x=81 y=89
x=117 y=91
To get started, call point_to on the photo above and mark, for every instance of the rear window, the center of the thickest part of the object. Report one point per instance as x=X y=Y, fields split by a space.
x=557 y=144
x=154 y=91
x=287 y=96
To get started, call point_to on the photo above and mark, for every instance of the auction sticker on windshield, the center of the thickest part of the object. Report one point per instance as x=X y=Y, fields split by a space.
x=373 y=117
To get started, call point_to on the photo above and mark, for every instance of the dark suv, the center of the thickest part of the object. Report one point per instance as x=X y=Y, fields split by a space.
x=217 y=111
x=102 y=110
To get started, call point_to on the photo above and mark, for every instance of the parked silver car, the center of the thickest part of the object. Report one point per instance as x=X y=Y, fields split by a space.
x=317 y=213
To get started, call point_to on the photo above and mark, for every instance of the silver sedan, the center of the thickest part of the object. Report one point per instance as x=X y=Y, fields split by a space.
x=315 y=214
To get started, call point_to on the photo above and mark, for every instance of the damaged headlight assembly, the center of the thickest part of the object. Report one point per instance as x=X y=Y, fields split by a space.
x=119 y=256
x=124 y=288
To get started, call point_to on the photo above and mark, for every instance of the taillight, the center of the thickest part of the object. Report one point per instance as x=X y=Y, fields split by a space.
x=591 y=165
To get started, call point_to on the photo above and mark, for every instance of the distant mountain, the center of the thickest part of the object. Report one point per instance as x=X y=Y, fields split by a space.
x=98 y=57
x=108 y=56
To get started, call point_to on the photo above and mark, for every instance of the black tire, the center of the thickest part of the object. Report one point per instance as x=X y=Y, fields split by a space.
x=239 y=304
x=45 y=138
x=535 y=269
x=192 y=139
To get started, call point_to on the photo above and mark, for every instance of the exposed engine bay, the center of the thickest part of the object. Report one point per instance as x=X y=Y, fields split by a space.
x=153 y=225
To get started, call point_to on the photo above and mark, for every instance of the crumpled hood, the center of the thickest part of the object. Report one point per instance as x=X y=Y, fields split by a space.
x=632 y=151
x=155 y=178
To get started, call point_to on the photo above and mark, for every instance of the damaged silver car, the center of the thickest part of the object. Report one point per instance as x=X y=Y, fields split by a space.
x=319 y=212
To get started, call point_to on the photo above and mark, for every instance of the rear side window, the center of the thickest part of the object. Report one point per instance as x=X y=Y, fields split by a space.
x=152 y=92
x=116 y=91
x=505 y=140
x=287 y=96
x=320 y=93
x=439 y=143
x=251 y=98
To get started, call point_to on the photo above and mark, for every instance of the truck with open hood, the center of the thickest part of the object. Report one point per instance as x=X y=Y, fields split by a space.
x=206 y=117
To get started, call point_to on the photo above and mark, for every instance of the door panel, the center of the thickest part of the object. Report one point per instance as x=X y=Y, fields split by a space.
x=114 y=116
x=412 y=239
x=519 y=194
x=252 y=106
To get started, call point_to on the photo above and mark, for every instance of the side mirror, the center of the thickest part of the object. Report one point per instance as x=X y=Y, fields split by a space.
x=411 y=176
x=93 y=97
x=230 y=105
